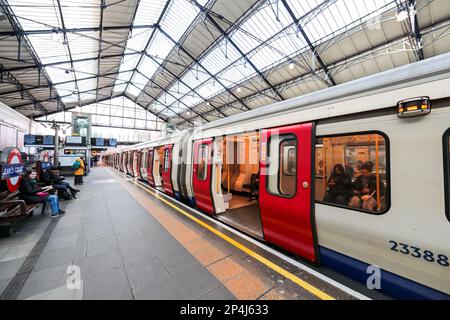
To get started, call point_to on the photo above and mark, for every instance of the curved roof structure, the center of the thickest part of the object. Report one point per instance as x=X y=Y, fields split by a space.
x=194 y=61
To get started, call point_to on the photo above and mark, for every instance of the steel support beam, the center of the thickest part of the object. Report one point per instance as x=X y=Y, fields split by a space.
x=15 y=25
x=311 y=46
x=238 y=49
x=415 y=29
x=185 y=84
x=74 y=30
x=166 y=6
x=25 y=93
x=105 y=75
x=167 y=92
x=201 y=66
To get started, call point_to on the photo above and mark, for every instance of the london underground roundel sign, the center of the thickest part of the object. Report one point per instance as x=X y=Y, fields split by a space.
x=12 y=167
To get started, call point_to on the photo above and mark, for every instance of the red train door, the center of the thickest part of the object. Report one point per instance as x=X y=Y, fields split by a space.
x=151 y=181
x=285 y=189
x=201 y=179
x=167 y=170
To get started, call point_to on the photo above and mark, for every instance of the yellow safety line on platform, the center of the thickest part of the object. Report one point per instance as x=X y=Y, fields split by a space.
x=317 y=292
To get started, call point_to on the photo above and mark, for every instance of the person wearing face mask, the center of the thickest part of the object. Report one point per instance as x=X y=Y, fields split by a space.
x=31 y=193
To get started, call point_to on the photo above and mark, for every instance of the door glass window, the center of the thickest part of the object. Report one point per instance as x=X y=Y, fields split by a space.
x=166 y=160
x=202 y=165
x=351 y=171
x=282 y=175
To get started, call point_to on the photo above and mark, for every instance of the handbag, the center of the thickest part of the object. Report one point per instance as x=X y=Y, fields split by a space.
x=42 y=194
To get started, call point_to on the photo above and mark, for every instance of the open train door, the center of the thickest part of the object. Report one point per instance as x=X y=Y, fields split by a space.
x=285 y=196
x=150 y=178
x=167 y=170
x=201 y=175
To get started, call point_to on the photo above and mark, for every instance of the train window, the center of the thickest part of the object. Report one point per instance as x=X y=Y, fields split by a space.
x=446 y=142
x=283 y=166
x=202 y=162
x=166 y=159
x=352 y=171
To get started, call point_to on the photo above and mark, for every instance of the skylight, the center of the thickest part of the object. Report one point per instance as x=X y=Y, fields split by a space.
x=54 y=47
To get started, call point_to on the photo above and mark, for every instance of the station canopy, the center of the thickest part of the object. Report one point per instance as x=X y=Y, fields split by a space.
x=189 y=62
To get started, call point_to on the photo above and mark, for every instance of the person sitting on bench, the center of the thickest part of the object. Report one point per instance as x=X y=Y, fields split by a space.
x=30 y=192
x=51 y=178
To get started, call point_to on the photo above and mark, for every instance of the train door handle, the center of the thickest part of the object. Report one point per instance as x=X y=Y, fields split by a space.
x=305 y=185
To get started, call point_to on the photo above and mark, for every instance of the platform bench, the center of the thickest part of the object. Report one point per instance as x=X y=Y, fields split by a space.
x=13 y=210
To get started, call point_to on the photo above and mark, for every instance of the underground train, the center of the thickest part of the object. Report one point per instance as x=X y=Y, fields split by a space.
x=353 y=177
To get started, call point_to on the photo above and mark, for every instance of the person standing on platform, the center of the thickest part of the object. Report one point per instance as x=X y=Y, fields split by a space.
x=78 y=165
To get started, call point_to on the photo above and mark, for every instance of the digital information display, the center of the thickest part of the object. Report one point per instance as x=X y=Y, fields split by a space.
x=29 y=139
x=73 y=140
x=38 y=140
x=48 y=140
x=100 y=142
x=113 y=142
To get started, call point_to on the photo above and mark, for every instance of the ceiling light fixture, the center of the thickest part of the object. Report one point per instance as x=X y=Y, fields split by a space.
x=291 y=66
x=402 y=13
x=55 y=34
x=238 y=89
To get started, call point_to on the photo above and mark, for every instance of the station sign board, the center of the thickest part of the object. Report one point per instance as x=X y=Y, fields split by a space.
x=12 y=168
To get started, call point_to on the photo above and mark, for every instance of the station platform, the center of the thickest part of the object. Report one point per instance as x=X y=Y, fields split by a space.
x=123 y=240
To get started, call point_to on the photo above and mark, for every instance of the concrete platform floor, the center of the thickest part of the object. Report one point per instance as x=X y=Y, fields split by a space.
x=118 y=242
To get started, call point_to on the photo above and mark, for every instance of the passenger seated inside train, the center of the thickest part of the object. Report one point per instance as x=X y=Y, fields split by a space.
x=365 y=188
x=339 y=186
x=361 y=182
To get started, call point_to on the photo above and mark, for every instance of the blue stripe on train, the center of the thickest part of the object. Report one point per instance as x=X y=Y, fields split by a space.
x=392 y=284
x=191 y=202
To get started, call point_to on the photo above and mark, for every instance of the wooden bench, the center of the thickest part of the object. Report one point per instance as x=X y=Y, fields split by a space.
x=12 y=211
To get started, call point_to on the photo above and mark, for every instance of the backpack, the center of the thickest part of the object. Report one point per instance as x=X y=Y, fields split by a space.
x=76 y=165
x=64 y=194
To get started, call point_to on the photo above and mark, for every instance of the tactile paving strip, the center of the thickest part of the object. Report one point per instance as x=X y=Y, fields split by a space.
x=15 y=285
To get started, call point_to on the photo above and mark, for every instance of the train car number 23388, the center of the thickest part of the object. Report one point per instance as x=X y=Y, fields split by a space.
x=419 y=253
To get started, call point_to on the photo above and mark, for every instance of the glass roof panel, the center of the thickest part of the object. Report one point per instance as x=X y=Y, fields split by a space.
x=148 y=12
x=300 y=8
x=35 y=16
x=261 y=26
x=191 y=100
x=235 y=73
x=178 y=18
x=339 y=16
x=54 y=47
x=220 y=57
x=80 y=14
x=160 y=46
x=209 y=89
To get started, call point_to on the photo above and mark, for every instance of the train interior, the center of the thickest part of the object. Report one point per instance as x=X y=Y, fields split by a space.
x=340 y=162
x=158 y=167
x=240 y=181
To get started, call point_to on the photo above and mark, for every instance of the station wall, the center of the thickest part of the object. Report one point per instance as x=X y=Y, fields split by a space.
x=13 y=127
